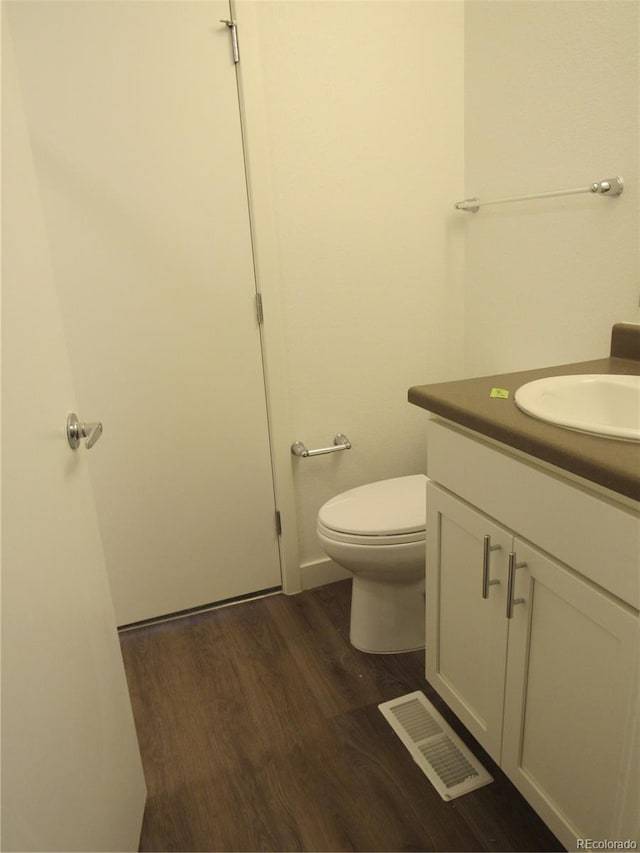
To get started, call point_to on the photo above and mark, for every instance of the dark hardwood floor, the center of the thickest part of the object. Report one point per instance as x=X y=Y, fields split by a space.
x=259 y=731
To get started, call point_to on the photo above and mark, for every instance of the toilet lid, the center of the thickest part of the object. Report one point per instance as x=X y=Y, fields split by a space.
x=387 y=507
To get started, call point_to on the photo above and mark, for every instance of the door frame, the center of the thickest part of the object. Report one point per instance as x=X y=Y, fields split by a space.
x=267 y=273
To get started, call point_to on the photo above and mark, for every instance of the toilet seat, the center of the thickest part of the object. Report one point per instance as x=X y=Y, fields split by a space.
x=356 y=539
x=387 y=512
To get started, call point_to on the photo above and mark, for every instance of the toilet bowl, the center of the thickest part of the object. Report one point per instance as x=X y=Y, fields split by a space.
x=377 y=532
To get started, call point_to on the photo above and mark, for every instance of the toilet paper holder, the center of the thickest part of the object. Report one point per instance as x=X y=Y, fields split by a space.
x=340 y=442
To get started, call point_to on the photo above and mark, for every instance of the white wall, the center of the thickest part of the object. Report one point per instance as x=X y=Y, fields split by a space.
x=361 y=135
x=551 y=101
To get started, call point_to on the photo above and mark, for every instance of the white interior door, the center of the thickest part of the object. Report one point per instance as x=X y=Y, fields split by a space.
x=134 y=121
x=71 y=771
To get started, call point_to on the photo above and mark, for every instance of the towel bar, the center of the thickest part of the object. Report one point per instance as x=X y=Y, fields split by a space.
x=612 y=187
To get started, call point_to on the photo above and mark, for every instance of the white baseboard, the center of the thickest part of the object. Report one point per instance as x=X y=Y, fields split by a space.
x=321 y=572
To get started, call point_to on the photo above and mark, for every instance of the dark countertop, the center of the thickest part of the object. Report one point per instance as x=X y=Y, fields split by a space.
x=611 y=463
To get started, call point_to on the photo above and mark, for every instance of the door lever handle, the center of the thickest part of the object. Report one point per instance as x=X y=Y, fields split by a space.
x=91 y=432
x=76 y=431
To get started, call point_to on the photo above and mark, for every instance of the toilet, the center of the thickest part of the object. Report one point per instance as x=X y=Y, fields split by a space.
x=377 y=532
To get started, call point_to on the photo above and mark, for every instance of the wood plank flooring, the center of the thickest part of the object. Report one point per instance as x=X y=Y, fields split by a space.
x=259 y=731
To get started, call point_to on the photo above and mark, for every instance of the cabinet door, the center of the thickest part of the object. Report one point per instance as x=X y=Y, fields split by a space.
x=570 y=699
x=466 y=633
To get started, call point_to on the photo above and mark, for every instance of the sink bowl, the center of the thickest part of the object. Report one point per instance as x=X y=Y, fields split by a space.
x=604 y=404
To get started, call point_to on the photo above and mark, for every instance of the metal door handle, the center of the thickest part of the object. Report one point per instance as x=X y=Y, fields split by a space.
x=76 y=431
x=511 y=584
x=486 y=550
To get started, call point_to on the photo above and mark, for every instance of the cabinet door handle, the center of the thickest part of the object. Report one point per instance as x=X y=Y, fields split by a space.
x=511 y=602
x=486 y=550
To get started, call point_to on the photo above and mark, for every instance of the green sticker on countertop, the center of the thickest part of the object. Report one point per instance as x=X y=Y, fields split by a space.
x=499 y=392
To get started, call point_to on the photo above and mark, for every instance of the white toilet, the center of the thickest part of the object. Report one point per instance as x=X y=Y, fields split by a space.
x=377 y=532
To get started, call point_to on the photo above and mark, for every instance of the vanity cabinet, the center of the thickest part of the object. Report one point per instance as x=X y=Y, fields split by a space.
x=551 y=691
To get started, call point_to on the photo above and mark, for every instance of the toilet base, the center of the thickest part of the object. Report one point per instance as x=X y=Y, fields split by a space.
x=387 y=618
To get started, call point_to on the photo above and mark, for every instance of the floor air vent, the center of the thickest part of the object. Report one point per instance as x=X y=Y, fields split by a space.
x=451 y=768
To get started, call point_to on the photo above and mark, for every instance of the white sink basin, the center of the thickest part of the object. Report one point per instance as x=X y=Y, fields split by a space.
x=604 y=404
